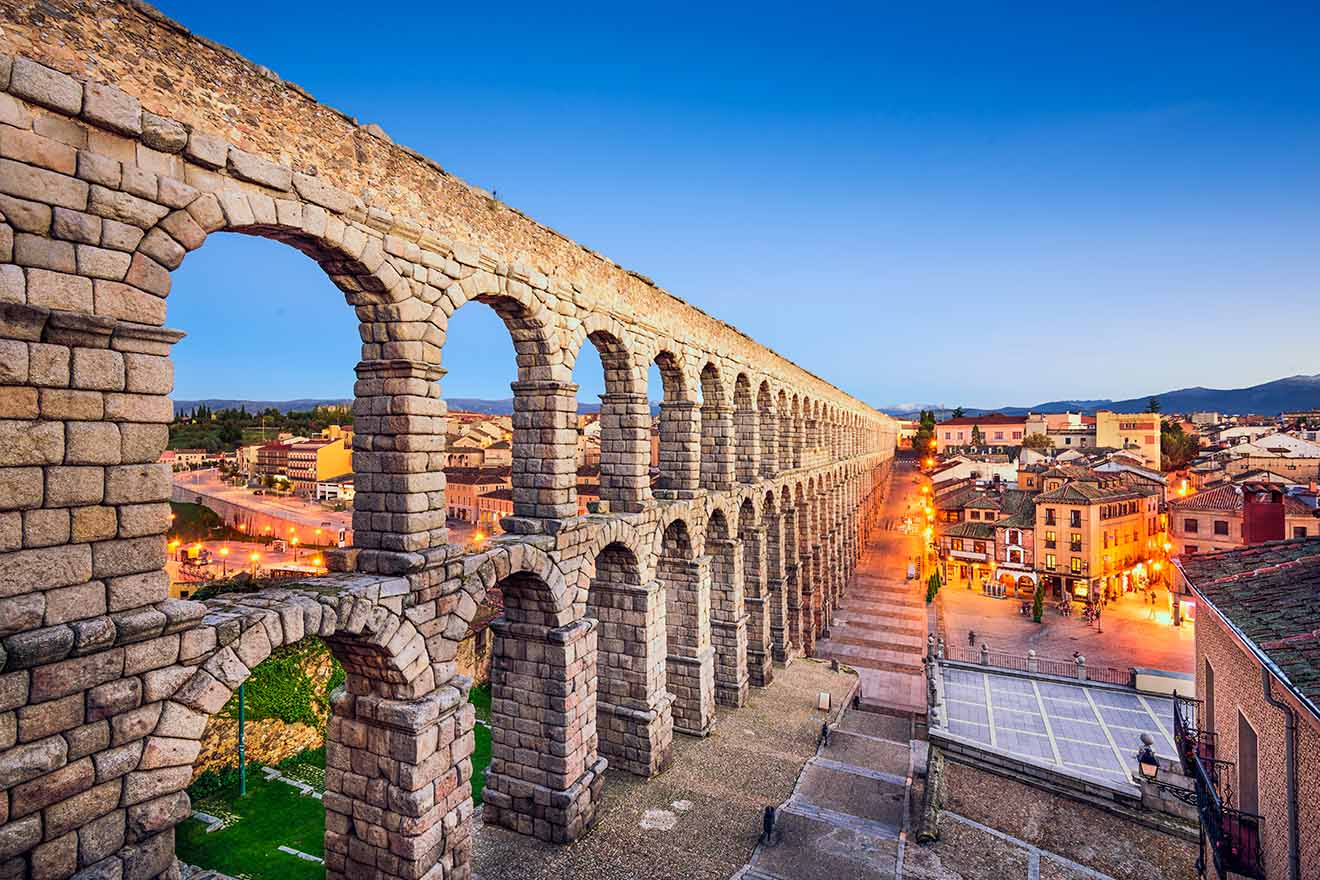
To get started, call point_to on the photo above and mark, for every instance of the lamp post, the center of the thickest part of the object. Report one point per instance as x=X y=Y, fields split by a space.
x=224 y=562
x=294 y=543
x=254 y=558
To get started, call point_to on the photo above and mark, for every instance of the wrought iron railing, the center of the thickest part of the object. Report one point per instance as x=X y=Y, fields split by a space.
x=1039 y=665
x=1234 y=835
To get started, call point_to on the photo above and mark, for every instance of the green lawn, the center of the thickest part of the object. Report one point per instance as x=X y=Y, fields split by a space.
x=271 y=814
x=274 y=813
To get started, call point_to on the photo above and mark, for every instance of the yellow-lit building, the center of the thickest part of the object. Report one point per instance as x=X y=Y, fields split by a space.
x=314 y=461
x=1096 y=532
x=1136 y=431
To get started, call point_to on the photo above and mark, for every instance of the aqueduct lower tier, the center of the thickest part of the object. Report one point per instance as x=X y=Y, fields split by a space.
x=125 y=142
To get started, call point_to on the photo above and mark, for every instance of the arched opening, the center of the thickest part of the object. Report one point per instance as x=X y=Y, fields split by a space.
x=769 y=431
x=794 y=629
x=614 y=435
x=797 y=430
x=717 y=441
x=747 y=431
x=545 y=773
x=728 y=617
x=633 y=719
x=678 y=444
x=690 y=666
x=543 y=452
x=760 y=558
x=807 y=568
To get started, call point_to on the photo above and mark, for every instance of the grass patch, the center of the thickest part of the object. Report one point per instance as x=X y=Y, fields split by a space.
x=479 y=697
x=271 y=814
x=480 y=761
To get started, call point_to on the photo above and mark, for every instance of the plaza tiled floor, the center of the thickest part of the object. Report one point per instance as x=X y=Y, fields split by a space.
x=1089 y=731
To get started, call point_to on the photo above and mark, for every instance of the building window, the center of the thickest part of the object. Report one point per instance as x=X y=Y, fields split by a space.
x=1015 y=556
x=1075 y=519
x=1299 y=531
x=956 y=544
x=1076 y=565
x=978 y=546
x=999 y=435
x=1017 y=435
x=1049 y=516
x=1190 y=526
x=1050 y=540
x=1051 y=561
x=1248 y=780
x=1014 y=536
x=1189 y=549
x=1221 y=527
x=976 y=514
x=1075 y=543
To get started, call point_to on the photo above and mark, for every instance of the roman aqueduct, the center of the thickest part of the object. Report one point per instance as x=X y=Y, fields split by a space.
x=125 y=142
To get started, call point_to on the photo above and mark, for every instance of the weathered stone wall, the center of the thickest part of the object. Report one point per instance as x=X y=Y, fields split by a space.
x=125 y=142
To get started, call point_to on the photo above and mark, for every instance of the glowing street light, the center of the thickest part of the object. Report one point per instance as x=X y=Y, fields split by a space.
x=224 y=561
x=254 y=558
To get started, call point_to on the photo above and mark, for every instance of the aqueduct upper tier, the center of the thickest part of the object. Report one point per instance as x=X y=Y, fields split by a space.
x=125 y=142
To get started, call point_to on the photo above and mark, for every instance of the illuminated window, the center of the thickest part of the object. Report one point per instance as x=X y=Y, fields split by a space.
x=1076 y=565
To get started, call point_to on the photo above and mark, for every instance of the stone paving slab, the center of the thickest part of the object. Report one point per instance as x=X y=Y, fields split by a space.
x=874 y=800
x=811 y=849
x=867 y=750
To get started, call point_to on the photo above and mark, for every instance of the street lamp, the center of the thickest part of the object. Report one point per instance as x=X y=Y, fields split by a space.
x=224 y=561
x=1147 y=763
x=254 y=559
x=294 y=542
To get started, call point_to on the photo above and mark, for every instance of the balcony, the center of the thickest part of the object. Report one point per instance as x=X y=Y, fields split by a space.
x=1233 y=835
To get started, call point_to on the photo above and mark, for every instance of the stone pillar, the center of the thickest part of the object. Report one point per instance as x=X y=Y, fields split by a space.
x=680 y=449
x=820 y=590
x=728 y=621
x=545 y=456
x=747 y=431
x=690 y=663
x=757 y=551
x=634 y=721
x=786 y=442
x=398 y=786
x=545 y=775
x=769 y=443
x=398 y=463
x=717 y=447
x=625 y=451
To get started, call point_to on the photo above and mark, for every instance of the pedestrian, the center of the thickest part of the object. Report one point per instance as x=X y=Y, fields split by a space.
x=971 y=638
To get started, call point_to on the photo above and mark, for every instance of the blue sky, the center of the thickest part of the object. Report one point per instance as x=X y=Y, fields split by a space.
x=982 y=205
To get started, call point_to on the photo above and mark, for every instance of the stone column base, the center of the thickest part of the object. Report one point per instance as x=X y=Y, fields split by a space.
x=760 y=668
x=783 y=648
x=637 y=741
x=544 y=813
x=729 y=638
x=692 y=682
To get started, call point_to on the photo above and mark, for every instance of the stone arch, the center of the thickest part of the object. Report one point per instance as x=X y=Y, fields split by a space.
x=634 y=721
x=756 y=598
x=545 y=773
x=728 y=616
x=717 y=435
x=680 y=427
x=625 y=415
x=387 y=665
x=689 y=668
x=747 y=431
x=768 y=423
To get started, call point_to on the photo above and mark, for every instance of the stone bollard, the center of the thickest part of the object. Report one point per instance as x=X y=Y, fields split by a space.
x=1033 y=665
x=985 y=654
x=939 y=649
x=1081 y=668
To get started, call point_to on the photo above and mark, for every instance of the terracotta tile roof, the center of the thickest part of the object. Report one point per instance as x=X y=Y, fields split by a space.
x=1228 y=499
x=988 y=419
x=1271 y=594
x=978 y=530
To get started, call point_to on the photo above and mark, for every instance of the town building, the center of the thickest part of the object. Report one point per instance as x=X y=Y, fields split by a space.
x=339 y=488
x=465 y=487
x=1220 y=518
x=1255 y=724
x=993 y=429
x=1137 y=431
x=312 y=461
x=1095 y=533
x=272 y=460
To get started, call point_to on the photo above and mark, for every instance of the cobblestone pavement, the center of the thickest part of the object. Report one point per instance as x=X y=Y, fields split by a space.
x=880 y=627
x=700 y=819
x=1128 y=636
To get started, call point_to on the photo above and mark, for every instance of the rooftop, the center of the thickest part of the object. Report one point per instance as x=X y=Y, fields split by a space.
x=1228 y=499
x=1271 y=594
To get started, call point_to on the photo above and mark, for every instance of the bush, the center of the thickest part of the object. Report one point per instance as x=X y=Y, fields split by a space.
x=933 y=585
x=1038 y=604
x=281 y=688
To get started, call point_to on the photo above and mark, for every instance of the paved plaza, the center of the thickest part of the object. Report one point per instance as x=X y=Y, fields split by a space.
x=1088 y=731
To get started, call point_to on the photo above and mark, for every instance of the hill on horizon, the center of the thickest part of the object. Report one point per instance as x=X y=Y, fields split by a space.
x=1291 y=393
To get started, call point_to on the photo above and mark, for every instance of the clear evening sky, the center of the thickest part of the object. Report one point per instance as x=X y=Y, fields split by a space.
x=986 y=205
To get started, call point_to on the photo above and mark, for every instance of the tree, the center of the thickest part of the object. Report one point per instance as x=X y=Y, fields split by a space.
x=925 y=432
x=1177 y=448
x=1153 y=405
x=1038 y=604
x=1038 y=442
x=958 y=412
x=978 y=439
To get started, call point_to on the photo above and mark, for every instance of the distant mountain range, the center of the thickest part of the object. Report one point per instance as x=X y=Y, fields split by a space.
x=463 y=404
x=1270 y=398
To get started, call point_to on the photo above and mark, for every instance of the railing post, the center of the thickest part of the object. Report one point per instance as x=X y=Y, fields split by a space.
x=1081 y=668
x=1033 y=665
x=985 y=654
x=939 y=649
